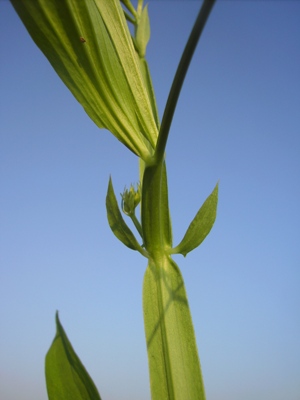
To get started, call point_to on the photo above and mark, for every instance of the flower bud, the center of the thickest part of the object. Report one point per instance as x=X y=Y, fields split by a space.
x=130 y=199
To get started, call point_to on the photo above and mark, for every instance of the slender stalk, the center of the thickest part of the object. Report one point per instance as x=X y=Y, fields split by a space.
x=180 y=76
x=137 y=224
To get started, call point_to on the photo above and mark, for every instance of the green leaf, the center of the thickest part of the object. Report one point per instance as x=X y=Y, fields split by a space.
x=200 y=226
x=142 y=35
x=66 y=377
x=117 y=223
x=88 y=43
x=140 y=41
x=116 y=24
x=174 y=365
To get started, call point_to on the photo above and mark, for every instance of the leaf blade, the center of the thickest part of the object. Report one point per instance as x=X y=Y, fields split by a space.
x=75 y=37
x=143 y=32
x=201 y=225
x=112 y=11
x=66 y=377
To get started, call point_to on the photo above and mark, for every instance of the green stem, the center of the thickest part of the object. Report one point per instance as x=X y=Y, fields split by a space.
x=173 y=358
x=152 y=214
x=180 y=76
x=137 y=224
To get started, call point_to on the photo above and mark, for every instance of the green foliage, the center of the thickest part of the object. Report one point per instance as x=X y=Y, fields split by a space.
x=66 y=377
x=142 y=33
x=90 y=47
x=200 y=226
x=88 y=43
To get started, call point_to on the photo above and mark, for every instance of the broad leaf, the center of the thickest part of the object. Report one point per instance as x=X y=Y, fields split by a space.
x=66 y=377
x=117 y=223
x=88 y=43
x=200 y=226
x=174 y=366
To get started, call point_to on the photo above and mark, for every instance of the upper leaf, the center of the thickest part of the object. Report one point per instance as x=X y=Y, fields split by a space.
x=200 y=226
x=66 y=377
x=88 y=43
x=142 y=34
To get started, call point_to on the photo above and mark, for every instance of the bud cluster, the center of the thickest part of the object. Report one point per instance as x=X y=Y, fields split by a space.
x=130 y=199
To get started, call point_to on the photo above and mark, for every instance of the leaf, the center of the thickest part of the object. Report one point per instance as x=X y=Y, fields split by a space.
x=66 y=377
x=140 y=41
x=117 y=223
x=200 y=226
x=88 y=43
x=148 y=82
x=142 y=35
x=174 y=366
x=112 y=12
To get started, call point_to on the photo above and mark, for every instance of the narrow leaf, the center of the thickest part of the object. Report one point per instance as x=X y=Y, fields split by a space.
x=88 y=44
x=148 y=82
x=142 y=35
x=66 y=377
x=116 y=25
x=174 y=366
x=117 y=223
x=140 y=41
x=200 y=226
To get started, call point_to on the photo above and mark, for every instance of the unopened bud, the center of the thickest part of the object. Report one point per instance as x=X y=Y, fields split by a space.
x=130 y=199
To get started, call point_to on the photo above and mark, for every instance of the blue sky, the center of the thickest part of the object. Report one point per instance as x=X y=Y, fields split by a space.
x=237 y=121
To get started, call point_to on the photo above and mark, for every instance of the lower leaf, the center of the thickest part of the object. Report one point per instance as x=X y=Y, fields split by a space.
x=66 y=377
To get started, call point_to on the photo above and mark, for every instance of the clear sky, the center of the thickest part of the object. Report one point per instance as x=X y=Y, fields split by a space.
x=237 y=121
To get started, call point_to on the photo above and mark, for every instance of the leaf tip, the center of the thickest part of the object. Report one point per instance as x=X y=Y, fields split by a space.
x=57 y=322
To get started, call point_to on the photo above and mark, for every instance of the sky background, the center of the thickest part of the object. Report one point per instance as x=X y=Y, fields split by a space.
x=237 y=121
